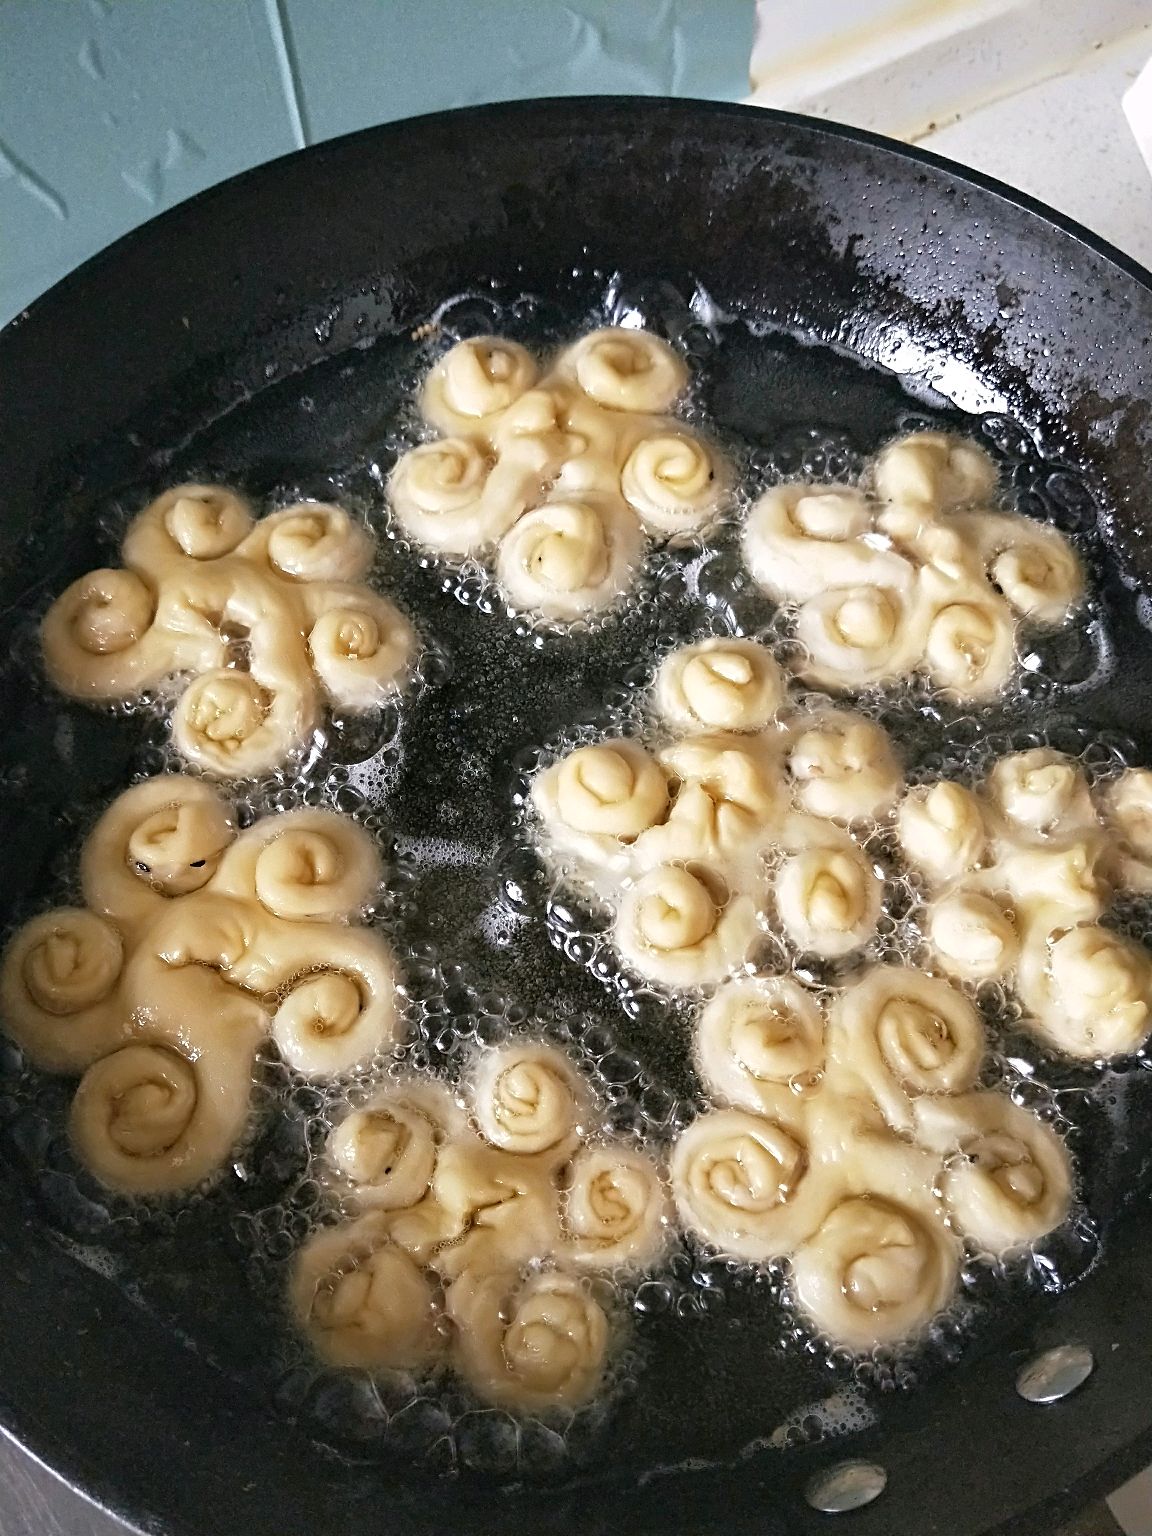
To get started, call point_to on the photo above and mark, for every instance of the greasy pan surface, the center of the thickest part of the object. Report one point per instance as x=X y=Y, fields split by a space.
x=208 y=316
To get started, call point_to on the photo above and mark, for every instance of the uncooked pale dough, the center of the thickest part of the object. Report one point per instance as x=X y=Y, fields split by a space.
x=626 y=370
x=972 y=934
x=934 y=469
x=530 y=1344
x=362 y=1301
x=969 y=645
x=1087 y=989
x=843 y=766
x=877 y=1271
x=615 y=1209
x=801 y=539
x=673 y=482
x=197 y=522
x=941 y=830
x=756 y=1036
x=568 y=558
x=57 y=989
x=719 y=685
x=743 y=1181
x=306 y=864
x=1041 y=792
x=827 y=893
x=1034 y=566
x=682 y=928
x=311 y=541
x=856 y=636
x=594 y=803
x=1008 y=1178
x=527 y=1098
x=474 y=382
x=900 y=1033
x=1126 y=803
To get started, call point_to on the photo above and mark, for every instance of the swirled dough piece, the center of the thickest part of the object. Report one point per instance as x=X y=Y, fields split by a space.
x=614 y=1209
x=1065 y=883
x=1088 y=990
x=843 y=766
x=972 y=935
x=941 y=830
x=476 y=381
x=100 y=641
x=900 y=1033
x=673 y=482
x=58 y=989
x=1008 y=1177
x=719 y=685
x=309 y=864
x=827 y=892
x=682 y=928
x=194 y=522
x=856 y=636
x=233 y=727
x=1040 y=792
x=1126 y=804
x=1034 y=566
x=877 y=1271
x=527 y=1098
x=726 y=808
x=598 y=800
x=969 y=645
x=339 y=993
x=451 y=498
x=160 y=839
x=361 y=645
x=311 y=541
x=626 y=370
x=531 y=1343
x=744 y=1182
x=570 y=558
x=756 y=1036
x=935 y=470
x=362 y=1301
x=387 y=1149
x=800 y=540
x=149 y=1119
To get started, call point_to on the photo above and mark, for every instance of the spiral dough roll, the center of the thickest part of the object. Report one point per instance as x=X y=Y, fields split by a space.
x=1088 y=990
x=843 y=766
x=569 y=558
x=756 y=1036
x=941 y=830
x=673 y=483
x=934 y=470
x=876 y=1272
x=58 y=989
x=361 y=647
x=681 y=929
x=719 y=685
x=194 y=522
x=828 y=897
x=362 y=1301
x=527 y=1098
x=529 y=1344
x=473 y=383
x=1008 y=1178
x=598 y=800
x=309 y=864
x=614 y=1209
x=902 y=1033
x=800 y=540
x=626 y=370
x=311 y=541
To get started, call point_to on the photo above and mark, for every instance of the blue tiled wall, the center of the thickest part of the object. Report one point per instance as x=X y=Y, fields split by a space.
x=111 y=110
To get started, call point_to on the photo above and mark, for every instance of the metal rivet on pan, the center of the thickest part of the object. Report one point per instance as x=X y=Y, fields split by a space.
x=847 y=1485
x=1048 y=1377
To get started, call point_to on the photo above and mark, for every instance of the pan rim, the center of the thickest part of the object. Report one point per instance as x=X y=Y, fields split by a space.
x=49 y=1449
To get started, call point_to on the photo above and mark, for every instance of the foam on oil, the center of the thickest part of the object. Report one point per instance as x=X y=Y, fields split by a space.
x=495 y=944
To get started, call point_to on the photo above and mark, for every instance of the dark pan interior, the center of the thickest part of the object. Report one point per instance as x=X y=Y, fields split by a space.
x=192 y=346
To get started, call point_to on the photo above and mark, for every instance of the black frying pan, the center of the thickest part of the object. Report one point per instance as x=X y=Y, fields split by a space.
x=182 y=348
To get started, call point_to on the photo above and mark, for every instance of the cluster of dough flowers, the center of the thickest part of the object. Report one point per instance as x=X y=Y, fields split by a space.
x=254 y=625
x=849 y=1131
x=196 y=941
x=911 y=573
x=474 y=1225
x=559 y=477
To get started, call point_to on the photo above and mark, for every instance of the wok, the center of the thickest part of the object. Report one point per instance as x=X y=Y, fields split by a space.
x=247 y=333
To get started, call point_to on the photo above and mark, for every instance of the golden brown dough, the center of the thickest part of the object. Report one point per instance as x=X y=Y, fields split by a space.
x=58 y=989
